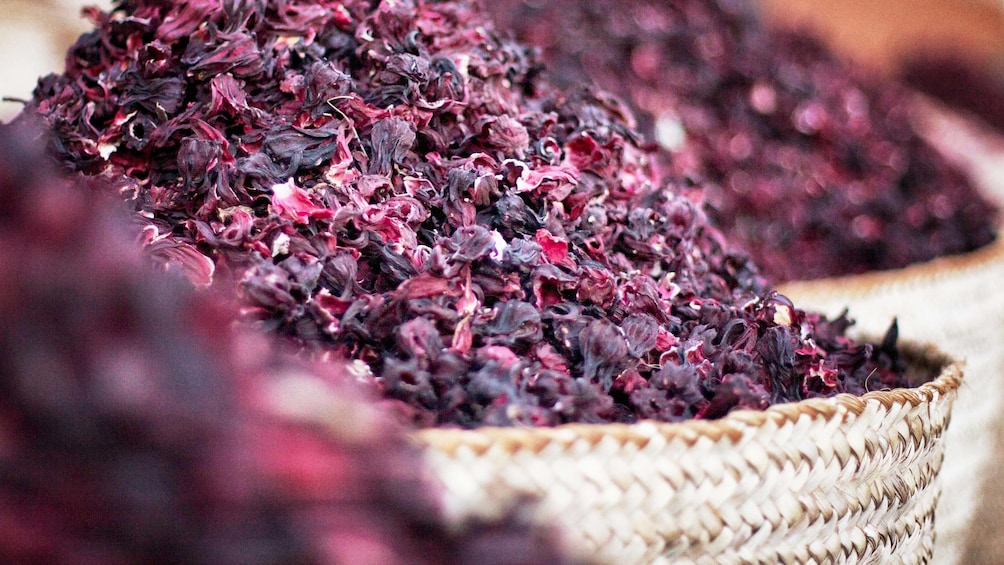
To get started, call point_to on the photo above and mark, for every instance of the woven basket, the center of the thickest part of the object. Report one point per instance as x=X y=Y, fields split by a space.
x=958 y=303
x=844 y=479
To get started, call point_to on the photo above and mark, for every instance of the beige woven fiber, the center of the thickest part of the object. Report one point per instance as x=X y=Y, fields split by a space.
x=839 y=480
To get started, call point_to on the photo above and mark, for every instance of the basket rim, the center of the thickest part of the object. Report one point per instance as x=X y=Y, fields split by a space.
x=731 y=428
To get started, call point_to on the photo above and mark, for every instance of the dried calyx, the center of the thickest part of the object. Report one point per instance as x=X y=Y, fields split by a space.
x=810 y=165
x=391 y=182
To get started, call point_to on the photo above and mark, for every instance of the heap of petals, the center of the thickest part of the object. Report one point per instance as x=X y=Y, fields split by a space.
x=392 y=182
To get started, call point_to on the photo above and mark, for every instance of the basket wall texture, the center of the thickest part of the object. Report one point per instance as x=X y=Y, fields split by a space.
x=958 y=303
x=839 y=480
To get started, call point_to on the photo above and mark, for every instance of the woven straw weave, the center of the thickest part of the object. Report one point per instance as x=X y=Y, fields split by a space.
x=839 y=480
x=958 y=303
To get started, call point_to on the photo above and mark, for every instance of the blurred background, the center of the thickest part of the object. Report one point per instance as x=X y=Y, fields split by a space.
x=34 y=35
x=953 y=49
x=891 y=33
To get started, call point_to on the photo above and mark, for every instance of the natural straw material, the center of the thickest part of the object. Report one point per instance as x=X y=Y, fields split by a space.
x=843 y=479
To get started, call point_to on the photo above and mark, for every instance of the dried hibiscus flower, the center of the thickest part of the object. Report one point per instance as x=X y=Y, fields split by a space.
x=808 y=164
x=391 y=182
x=138 y=426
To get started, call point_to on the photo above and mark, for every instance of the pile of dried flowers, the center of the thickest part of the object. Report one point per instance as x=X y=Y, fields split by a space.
x=391 y=182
